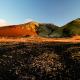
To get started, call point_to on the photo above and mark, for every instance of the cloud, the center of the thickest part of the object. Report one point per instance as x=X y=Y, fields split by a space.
x=3 y=22
x=28 y=20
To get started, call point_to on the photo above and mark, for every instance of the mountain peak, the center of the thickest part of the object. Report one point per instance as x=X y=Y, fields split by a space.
x=33 y=23
x=25 y=29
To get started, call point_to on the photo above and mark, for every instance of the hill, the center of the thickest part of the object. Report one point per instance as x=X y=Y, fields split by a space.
x=21 y=30
x=68 y=30
x=30 y=29
x=48 y=30
x=72 y=28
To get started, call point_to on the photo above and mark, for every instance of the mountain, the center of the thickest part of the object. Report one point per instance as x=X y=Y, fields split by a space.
x=48 y=30
x=68 y=30
x=72 y=28
x=21 y=30
x=42 y=29
x=30 y=29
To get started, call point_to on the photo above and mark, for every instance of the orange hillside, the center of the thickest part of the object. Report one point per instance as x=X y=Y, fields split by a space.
x=26 y=29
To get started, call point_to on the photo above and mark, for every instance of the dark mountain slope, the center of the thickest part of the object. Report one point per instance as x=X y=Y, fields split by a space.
x=72 y=28
x=49 y=30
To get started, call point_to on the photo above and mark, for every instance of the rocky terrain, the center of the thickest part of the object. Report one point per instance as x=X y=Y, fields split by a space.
x=39 y=61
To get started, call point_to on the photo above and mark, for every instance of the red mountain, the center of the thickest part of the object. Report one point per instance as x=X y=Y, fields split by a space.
x=27 y=29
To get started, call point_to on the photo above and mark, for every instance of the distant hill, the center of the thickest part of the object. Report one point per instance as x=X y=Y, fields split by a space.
x=68 y=30
x=48 y=30
x=21 y=30
x=72 y=28
x=30 y=29
x=41 y=29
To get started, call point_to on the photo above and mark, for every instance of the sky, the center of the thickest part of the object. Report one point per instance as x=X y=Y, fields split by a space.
x=58 y=12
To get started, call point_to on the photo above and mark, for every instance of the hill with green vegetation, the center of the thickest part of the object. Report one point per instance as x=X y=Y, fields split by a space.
x=52 y=31
x=72 y=28
x=49 y=30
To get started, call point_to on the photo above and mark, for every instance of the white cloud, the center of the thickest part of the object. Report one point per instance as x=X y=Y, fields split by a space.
x=28 y=20
x=3 y=22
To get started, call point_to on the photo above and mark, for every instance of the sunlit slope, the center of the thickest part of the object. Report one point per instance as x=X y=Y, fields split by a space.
x=42 y=30
x=31 y=29
x=27 y=29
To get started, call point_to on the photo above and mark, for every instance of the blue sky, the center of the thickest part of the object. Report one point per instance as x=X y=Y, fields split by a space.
x=58 y=12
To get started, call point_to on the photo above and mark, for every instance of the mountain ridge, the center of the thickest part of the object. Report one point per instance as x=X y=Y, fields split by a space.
x=19 y=30
x=34 y=28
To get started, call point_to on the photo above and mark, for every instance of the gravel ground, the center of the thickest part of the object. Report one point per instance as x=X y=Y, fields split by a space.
x=39 y=61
